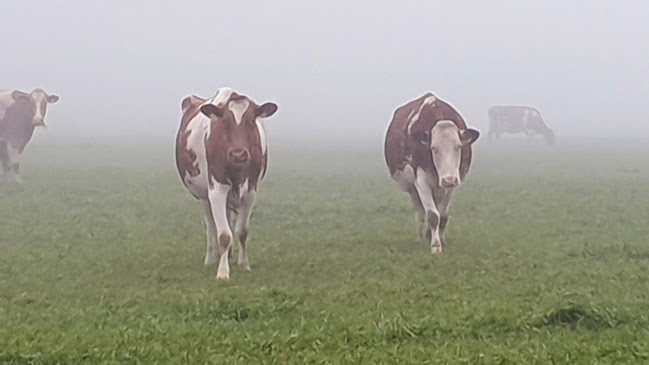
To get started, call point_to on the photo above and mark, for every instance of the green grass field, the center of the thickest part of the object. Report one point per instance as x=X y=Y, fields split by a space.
x=101 y=262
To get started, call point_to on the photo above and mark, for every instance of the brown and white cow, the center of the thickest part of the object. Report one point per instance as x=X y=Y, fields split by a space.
x=221 y=156
x=518 y=119
x=428 y=153
x=20 y=114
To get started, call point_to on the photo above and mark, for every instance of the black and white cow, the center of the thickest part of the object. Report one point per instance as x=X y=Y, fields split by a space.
x=518 y=119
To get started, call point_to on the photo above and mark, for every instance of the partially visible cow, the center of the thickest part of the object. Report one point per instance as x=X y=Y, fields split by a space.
x=221 y=156
x=20 y=114
x=428 y=153
x=518 y=119
x=40 y=100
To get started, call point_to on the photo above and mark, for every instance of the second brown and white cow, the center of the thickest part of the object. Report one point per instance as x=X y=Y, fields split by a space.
x=518 y=119
x=221 y=156
x=428 y=153
x=20 y=114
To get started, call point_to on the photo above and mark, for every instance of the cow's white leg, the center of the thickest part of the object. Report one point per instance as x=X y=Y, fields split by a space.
x=243 y=223
x=11 y=163
x=423 y=231
x=210 y=227
x=423 y=186
x=218 y=196
x=443 y=200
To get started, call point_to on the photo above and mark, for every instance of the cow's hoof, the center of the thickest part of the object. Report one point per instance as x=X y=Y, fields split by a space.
x=436 y=249
x=223 y=277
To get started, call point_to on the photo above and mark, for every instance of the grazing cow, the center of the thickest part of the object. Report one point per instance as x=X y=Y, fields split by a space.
x=428 y=153
x=518 y=119
x=20 y=114
x=221 y=157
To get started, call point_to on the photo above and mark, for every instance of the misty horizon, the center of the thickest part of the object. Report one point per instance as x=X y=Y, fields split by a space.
x=336 y=72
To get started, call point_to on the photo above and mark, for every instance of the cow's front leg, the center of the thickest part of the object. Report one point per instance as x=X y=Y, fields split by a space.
x=241 y=228
x=14 y=163
x=420 y=216
x=442 y=199
x=218 y=196
x=423 y=185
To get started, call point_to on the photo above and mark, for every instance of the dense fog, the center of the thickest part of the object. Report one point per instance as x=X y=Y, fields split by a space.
x=337 y=70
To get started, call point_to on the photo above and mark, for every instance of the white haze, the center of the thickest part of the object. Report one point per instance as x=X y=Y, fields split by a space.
x=337 y=69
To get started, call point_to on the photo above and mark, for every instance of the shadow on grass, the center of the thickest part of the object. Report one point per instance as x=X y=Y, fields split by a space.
x=575 y=316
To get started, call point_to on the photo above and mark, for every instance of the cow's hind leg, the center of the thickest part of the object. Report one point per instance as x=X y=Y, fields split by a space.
x=210 y=227
x=218 y=196
x=443 y=200
x=242 y=226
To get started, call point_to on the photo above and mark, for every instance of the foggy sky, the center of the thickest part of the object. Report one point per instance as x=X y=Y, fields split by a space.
x=337 y=69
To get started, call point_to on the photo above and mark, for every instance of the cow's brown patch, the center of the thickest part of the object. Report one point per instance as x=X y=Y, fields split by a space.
x=224 y=240
x=16 y=127
x=185 y=157
x=433 y=219
x=442 y=223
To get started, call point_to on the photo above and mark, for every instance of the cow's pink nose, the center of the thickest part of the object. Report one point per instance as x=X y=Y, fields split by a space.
x=238 y=155
x=450 y=182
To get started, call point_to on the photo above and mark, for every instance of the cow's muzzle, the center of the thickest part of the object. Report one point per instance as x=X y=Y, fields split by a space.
x=450 y=182
x=238 y=156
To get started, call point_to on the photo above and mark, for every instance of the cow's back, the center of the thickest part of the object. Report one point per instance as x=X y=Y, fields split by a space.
x=513 y=118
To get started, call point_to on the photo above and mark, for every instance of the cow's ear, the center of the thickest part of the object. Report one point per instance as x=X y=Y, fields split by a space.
x=468 y=136
x=212 y=111
x=18 y=95
x=422 y=137
x=52 y=98
x=266 y=110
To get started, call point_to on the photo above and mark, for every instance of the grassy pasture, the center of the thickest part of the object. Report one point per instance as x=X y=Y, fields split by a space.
x=101 y=259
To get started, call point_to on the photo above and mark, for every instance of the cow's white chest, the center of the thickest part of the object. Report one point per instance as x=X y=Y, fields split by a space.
x=198 y=130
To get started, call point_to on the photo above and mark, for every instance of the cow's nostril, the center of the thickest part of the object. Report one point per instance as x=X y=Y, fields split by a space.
x=450 y=182
x=239 y=155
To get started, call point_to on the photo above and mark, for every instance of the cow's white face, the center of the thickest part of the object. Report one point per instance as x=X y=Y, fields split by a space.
x=446 y=141
x=41 y=99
